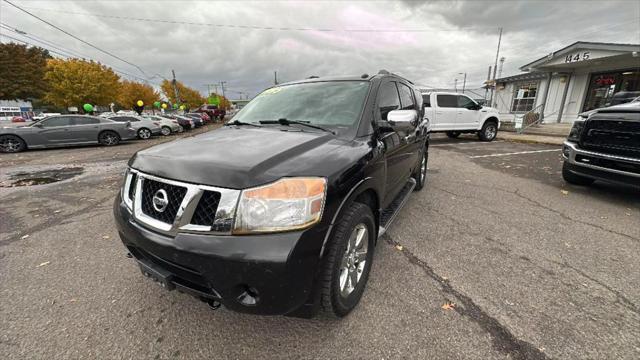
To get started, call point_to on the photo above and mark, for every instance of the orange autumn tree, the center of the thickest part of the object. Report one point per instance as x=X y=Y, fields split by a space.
x=75 y=82
x=132 y=91
x=188 y=96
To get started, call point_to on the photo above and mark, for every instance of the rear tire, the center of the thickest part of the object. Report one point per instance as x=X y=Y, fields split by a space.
x=11 y=144
x=575 y=179
x=489 y=131
x=420 y=174
x=453 y=134
x=144 y=133
x=347 y=261
x=165 y=130
x=109 y=138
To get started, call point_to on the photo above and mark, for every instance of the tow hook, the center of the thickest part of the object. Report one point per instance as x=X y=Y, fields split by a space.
x=213 y=304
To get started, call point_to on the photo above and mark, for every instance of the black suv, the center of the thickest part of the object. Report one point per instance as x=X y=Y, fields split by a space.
x=279 y=211
x=604 y=147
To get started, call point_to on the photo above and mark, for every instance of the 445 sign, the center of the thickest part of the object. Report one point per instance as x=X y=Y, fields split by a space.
x=579 y=56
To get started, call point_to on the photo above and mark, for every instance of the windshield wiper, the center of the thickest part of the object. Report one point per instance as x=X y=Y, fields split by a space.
x=239 y=123
x=285 y=122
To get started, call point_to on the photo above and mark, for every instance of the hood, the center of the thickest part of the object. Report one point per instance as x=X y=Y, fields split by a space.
x=489 y=109
x=240 y=157
x=633 y=105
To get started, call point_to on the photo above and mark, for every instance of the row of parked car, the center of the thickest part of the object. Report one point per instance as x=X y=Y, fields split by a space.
x=107 y=129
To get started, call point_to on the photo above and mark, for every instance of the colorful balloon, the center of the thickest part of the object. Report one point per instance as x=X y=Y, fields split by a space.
x=156 y=104
x=164 y=106
x=140 y=103
x=87 y=107
x=181 y=107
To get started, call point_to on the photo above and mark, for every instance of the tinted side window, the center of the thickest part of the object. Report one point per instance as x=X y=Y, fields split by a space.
x=465 y=102
x=447 y=101
x=388 y=99
x=85 y=120
x=406 y=97
x=58 y=121
x=426 y=99
x=118 y=119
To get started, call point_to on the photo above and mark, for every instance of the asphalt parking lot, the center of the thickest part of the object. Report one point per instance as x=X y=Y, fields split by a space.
x=496 y=258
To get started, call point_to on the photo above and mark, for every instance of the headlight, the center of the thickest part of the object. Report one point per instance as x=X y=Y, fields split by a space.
x=287 y=204
x=576 y=130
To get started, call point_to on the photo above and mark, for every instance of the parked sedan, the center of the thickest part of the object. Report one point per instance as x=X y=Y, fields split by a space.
x=167 y=126
x=63 y=130
x=197 y=120
x=186 y=124
x=144 y=127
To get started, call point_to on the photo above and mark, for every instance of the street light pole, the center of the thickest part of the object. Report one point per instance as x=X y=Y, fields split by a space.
x=464 y=82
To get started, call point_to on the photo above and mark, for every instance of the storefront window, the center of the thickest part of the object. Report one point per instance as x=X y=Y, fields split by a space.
x=612 y=88
x=524 y=97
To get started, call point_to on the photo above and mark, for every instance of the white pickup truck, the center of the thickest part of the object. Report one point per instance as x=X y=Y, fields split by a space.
x=455 y=113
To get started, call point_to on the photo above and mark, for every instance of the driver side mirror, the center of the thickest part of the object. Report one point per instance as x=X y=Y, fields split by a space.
x=402 y=120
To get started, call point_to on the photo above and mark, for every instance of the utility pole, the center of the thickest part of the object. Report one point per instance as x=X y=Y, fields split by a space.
x=486 y=88
x=495 y=67
x=222 y=86
x=275 y=78
x=455 y=84
x=464 y=82
x=175 y=87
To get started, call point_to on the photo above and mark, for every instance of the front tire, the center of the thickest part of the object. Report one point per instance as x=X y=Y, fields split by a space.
x=575 y=179
x=109 y=138
x=348 y=261
x=165 y=131
x=11 y=144
x=144 y=134
x=489 y=131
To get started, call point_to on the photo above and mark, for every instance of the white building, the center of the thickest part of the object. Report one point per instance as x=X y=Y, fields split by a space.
x=577 y=78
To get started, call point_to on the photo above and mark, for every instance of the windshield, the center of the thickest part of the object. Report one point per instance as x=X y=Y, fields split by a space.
x=336 y=103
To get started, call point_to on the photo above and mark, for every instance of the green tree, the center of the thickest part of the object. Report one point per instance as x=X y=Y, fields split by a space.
x=131 y=91
x=75 y=82
x=22 y=71
x=188 y=96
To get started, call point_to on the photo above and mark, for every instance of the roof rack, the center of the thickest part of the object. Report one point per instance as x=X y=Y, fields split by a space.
x=385 y=72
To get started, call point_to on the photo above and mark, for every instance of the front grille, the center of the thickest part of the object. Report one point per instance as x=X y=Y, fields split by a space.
x=175 y=195
x=612 y=136
x=206 y=210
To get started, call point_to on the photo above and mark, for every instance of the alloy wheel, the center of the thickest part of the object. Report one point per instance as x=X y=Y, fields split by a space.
x=10 y=145
x=144 y=134
x=354 y=259
x=490 y=132
x=109 y=139
x=166 y=131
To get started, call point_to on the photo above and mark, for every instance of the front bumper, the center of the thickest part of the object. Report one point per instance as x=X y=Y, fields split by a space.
x=279 y=269
x=601 y=166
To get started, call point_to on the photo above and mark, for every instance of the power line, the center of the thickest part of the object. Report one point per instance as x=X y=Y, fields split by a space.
x=255 y=27
x=63 y=53
x=77 y=38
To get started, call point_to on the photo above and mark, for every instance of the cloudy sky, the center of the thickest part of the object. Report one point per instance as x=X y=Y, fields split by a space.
x=242 y=43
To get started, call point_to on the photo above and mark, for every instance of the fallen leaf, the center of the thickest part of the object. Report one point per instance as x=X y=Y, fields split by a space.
x=448 y=305
x=399 y=247
x=56 y=211
x=628 y=214
x=24 y=237
x=43 y=264
x=564 y=192
x=72 y=300
x=105 y=237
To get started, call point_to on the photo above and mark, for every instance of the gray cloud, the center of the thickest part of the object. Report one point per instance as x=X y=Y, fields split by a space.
x=457 y=36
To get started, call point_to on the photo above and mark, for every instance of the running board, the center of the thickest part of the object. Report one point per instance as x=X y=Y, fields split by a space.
x=389 y=214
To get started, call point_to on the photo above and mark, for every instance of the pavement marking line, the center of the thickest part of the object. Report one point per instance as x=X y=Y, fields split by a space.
x=467 y=143
x=514 y=153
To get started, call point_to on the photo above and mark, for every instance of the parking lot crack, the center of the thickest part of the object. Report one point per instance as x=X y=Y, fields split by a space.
x=567 y=217
x=503 y=340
